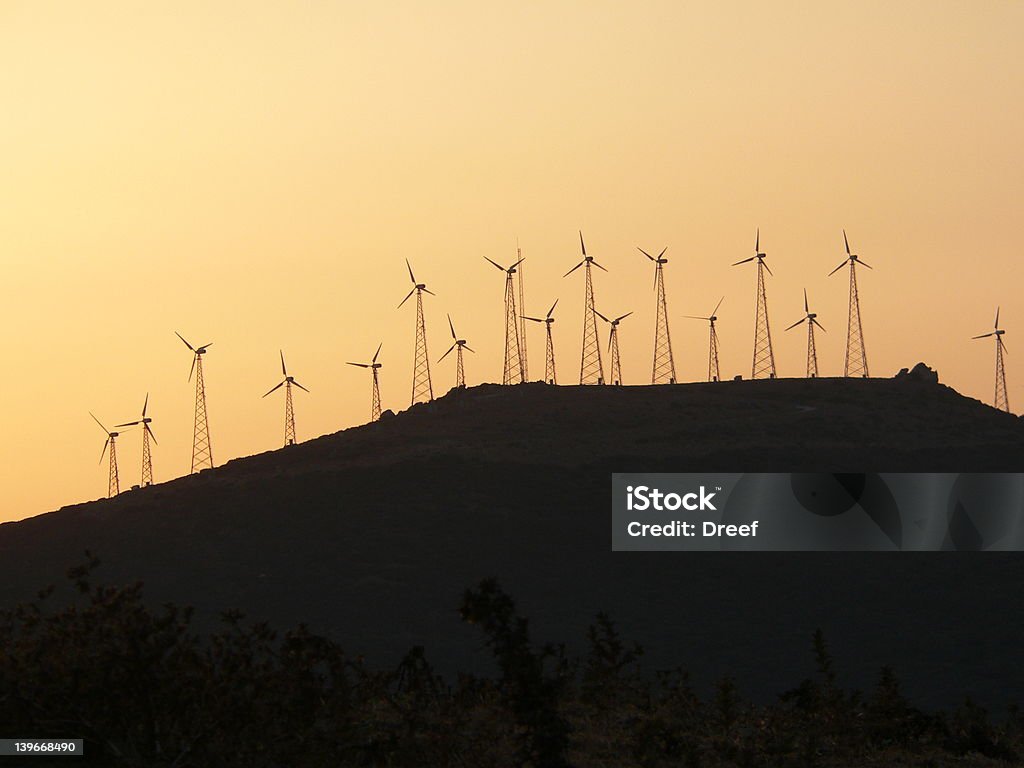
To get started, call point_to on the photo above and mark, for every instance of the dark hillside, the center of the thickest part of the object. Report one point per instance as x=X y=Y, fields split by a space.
x=372 y=534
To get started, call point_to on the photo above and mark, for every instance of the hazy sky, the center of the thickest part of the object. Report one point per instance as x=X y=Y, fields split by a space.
x=253 y=174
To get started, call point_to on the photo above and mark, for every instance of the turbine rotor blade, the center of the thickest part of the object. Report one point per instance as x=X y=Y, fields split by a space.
x=496 y=264
x=794 y=325
x=806 y=308
x=377 y=352
x=442 y=357
x=757 y=241
x=696 y=317
x=411 y=275
x=150 y=431
x=144 y=405
x=847 y=242
x=193 y=368
x=744 y=261
x=983 y=336
x=662 y=251
x=406 y=298
x=361 y=365
x=602 y=316
x=864 y=264
x=277 y=387
x=996 y=326
x=104 y=452
x=283 y=369
x=127 y=424
x=183 y=341
x=582 y=246
x=620 y=318
x=552 y=308
x=716 y=307
x=598 y=265
x=450 y=323
x=466 y=346
x=815 y=321
x=516 y=264
x=645 y=253
x=836 y=269
x=299 y=386
x=535 y=319
x=573 y=269
x=768 y=268
x=105 y=430
x=427 y=290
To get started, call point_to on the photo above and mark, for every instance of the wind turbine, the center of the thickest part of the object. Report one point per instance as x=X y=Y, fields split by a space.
x=811 y=318
x=664 y=369
x=422 y=389
x=613 y=345
x=202 y=453
x=458 y=346
x=289 y=409
x=856 y=363
x=591 y=369
x=522 y=320
x=113 y=484
x=549 y=353
x=147 y=434
x=764 y=357
x=514 y=372
x=1001 y=401
x=713 y=372
x=374 y=366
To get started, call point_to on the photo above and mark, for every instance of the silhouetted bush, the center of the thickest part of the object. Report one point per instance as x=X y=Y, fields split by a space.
x=143 y=689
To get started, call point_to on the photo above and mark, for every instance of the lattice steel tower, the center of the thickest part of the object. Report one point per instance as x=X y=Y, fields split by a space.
x=856 y=363
x=289 y=408
x=811 y=318
x=147 y=433
x=615 y=368
x=664 y=368
x=422 y=389
x=458 y=345
x=373 y=366
x=113 y=484
x=713 y=371
x=202 y=453
x=514 y=372
x=591 y=369
x=764 y=358
x=550 y=376
x=522 y=320
x=1001 y=400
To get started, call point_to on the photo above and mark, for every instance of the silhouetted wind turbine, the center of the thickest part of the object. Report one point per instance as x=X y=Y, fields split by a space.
x=613 y=345
x=664 y=368
x=811 y=318
x=374 y=366
x=113 y=484
x=458 y=346
x=550 y=375
x=289 y=409
x=764 y=357
x=147 y=433
x=202 y=452
x=713 y=372
x=591 y=369
x=422 y=388
x=513 y=372
x=856 y=363
x=1001 y=401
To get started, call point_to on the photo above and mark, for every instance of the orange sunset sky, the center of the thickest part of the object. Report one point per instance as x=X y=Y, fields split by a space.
x=253 y=174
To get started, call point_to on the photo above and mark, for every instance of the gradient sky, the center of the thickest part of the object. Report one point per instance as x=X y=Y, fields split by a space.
x=253 y=174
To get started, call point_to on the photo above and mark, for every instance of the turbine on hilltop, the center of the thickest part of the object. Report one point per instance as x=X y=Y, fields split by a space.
x=113 y=483
x=811 y=318
x=856 y=363
x=713 y=372
x=613 y=346
x=202 y=452
x=514 y=372
x=373 y=366
x=591 y=369
x=458 y=345
x=764 y=357
x=1001 y=401
x=289 y=409
x=147 y=434
x=664 y=369
x=550 y=376
x=422 y=389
